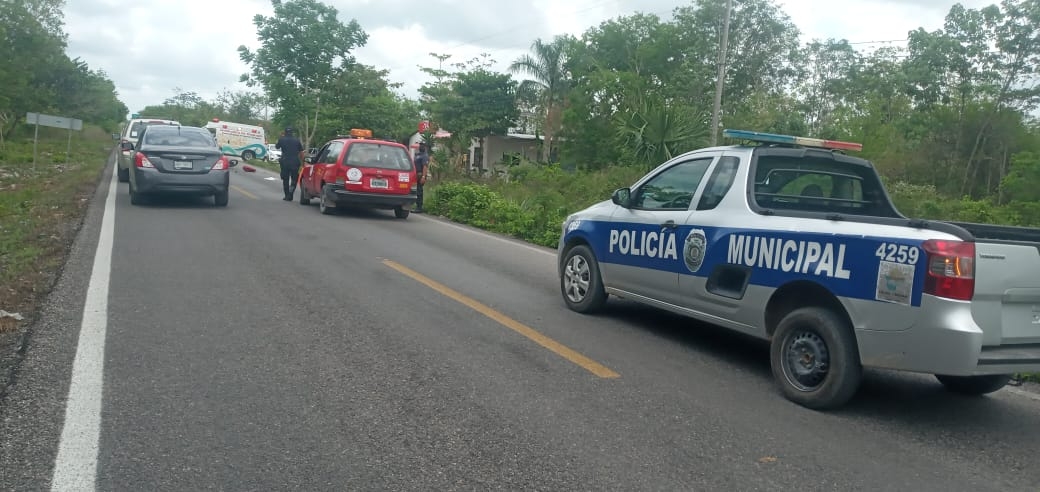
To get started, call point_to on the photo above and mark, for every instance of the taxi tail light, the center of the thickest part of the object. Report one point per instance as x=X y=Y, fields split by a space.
x=951 y=269
x=141 y=160
x=221 y=164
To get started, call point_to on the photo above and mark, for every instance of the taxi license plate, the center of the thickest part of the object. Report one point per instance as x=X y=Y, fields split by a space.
x=379 y=183
x=182 y=164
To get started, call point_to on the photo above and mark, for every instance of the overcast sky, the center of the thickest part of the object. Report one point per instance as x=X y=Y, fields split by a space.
x=149 y=48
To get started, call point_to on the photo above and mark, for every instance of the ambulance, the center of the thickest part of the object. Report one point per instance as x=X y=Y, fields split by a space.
x=239 y=139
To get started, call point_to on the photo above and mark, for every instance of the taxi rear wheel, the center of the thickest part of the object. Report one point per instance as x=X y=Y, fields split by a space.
x=580 y=282
x=814 y=358
x=401 y=212
x=323 y=204
x=305 y=199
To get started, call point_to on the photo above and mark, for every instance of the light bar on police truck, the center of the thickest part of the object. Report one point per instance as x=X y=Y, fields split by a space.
x=789 y=139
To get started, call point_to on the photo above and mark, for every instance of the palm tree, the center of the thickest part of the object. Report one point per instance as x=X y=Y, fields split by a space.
x=546 y=65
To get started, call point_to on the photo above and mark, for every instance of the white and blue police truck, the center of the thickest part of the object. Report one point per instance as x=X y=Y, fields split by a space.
x=792 y=240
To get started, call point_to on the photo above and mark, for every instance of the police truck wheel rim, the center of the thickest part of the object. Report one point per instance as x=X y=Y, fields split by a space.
x=577 y=277
x=806 y=360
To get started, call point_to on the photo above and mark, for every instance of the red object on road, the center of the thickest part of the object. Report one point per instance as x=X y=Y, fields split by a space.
x=249 y=169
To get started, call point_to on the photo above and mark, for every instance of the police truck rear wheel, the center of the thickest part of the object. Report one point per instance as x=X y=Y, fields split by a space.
x=814 y=358
x=974 y=385
x=580 y=282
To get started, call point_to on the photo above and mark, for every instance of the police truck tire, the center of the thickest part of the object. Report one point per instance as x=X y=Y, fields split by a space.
x=974 y=385
x=814 y=358
x=580 y=283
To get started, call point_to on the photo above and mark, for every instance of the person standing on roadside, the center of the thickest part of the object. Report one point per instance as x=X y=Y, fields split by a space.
x=422 y=171
x=290 y=161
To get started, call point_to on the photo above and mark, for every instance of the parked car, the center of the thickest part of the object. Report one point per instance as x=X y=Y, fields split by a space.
x=358 y=171
x=128 y=139
x=795 y=242
x=180 y=159
x=273 y=154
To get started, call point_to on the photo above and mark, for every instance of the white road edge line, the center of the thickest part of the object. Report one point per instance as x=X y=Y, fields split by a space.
x=75 y=467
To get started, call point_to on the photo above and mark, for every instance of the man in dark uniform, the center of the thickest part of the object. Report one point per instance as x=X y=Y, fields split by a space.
x=290 y=161
x=422 y=161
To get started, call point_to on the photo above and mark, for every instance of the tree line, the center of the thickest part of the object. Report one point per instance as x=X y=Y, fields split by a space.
x=36 y=74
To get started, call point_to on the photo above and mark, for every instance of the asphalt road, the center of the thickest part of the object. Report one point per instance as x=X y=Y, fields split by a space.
x=265 y=346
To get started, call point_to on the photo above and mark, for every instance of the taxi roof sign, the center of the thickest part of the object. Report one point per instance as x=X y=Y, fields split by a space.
x=791 y=140
x=360 y=133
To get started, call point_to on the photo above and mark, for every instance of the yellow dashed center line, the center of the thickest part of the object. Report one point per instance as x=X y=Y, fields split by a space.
x=554 y=346
x=244 y=192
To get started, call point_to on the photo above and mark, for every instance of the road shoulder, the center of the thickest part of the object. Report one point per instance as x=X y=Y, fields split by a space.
x=33 y=408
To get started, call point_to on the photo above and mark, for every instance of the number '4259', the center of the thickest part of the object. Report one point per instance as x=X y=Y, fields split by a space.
x=899 y=253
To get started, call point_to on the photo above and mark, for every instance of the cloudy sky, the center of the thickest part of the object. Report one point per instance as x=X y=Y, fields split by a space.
x=149 y=48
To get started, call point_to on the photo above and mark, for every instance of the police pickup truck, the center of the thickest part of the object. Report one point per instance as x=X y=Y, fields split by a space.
x=791 y=240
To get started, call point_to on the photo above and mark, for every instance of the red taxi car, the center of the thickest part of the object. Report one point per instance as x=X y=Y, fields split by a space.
x=360 y=171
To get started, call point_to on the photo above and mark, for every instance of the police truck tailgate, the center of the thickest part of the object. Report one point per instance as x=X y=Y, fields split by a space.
x=1006 y=303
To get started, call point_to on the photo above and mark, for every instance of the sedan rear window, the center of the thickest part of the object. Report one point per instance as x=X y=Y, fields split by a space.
x=365 y=154
x=179 y=137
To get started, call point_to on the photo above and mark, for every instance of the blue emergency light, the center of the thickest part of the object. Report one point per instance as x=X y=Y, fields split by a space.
x=791 y=140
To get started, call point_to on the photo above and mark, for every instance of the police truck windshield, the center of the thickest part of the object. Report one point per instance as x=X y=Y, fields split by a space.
x=814 y=184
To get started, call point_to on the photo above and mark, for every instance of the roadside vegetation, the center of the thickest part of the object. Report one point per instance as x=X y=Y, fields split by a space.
x=41 y=208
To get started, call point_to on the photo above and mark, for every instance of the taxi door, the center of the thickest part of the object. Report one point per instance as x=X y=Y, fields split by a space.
x=307 y=171
x=643 y=251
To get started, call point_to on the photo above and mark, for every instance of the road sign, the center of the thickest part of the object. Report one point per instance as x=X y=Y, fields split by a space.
x=53 y=121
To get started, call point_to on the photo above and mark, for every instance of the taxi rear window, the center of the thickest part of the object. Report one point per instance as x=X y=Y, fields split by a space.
x=377 y=155
x=813 y=184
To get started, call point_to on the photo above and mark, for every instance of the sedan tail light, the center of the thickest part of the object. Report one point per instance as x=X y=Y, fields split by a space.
x=221 y=164
x=141 y=160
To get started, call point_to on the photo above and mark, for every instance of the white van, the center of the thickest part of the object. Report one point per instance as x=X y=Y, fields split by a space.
x=239 y=139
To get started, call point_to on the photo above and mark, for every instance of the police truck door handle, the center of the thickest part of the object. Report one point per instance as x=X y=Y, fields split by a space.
x=669 y=225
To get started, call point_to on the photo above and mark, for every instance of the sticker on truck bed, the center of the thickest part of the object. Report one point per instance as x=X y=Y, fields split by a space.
x=895 y=282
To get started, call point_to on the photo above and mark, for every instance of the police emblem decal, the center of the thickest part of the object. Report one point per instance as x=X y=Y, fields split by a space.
x=694 y=249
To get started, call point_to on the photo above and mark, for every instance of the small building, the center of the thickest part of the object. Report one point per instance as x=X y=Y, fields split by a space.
x=499 y=150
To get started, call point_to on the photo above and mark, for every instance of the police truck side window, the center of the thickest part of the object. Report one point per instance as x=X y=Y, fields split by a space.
x=720 y=182
x=808 y=184
x=673 y=189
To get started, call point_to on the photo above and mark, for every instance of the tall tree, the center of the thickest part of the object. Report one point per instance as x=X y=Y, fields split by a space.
x=304 y=50
x=548 y=85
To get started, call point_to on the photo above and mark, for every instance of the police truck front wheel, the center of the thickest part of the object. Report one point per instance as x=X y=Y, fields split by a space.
x=814 y=358
x=580 y=282
x=974 y=385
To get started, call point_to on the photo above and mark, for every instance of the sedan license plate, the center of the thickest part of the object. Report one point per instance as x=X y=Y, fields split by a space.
x=182 y=164
x=379 y=183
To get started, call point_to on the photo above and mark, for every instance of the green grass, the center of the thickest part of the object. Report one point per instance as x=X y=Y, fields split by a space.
x=40 y=207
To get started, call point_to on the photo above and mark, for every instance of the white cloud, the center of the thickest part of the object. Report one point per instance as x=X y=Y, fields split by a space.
x=149 y=48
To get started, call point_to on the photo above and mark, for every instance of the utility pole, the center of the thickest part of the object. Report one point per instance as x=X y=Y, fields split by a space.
x=722 y=75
